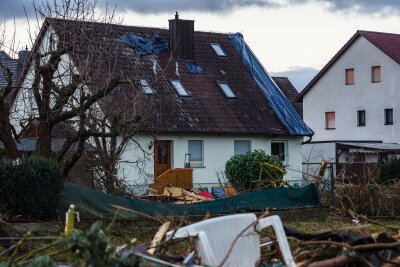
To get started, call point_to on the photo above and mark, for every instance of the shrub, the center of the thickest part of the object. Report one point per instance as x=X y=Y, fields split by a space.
x=30 y=187
x=242 y=171
x=389 y=170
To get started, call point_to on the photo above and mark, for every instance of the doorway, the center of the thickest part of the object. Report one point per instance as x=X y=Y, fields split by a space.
x=162 y=156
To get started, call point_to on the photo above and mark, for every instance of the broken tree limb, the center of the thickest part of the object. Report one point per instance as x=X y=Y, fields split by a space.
x=158 y=237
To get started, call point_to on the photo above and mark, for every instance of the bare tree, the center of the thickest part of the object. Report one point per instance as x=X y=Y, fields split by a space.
x=6 y=90
x=72 y=85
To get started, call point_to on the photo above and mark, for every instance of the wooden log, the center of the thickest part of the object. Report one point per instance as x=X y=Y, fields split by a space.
x=158 y=237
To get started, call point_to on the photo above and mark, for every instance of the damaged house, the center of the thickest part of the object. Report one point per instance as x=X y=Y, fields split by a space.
x=195 y=98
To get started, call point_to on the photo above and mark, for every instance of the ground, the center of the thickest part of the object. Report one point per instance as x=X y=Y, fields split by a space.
x=120 y=232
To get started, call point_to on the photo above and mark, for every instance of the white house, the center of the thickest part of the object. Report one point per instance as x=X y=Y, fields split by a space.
x=220 y=101
x=354 y=101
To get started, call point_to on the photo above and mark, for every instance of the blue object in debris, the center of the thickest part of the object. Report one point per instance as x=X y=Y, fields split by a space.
x=277 y=101
x=194 y=67
x=218 y=192
x=144 y=46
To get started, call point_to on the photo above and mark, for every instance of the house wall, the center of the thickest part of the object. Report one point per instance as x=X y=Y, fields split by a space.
x=25 y=107
x=331 y=94
x=217 y=150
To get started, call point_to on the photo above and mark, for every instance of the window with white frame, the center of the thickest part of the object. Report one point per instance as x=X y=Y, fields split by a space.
x=195 y=151
x=242 y=146
x=218 y=49
x=179 y=88
x=146 y=87
x=278 y=149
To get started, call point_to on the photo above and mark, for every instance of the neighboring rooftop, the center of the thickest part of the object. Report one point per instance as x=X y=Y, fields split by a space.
x=389 y=43
x=290 y=92
x=15 y=65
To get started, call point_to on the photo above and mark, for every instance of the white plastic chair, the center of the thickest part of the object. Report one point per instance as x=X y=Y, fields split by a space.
x=216 y=237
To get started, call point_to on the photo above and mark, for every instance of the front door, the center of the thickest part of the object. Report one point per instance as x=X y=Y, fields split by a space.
x=162 y=156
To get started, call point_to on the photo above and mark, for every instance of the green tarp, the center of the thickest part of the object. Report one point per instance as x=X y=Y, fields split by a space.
x=91 y=203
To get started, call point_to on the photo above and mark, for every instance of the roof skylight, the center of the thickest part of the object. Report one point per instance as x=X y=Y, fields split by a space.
x=179 y=88
x=226 y=89
x=146 y=87
x=218 y=49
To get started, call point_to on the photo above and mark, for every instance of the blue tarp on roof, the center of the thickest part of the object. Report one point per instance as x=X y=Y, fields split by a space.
x=194 y=67
x=144 y=46
x=277 y=101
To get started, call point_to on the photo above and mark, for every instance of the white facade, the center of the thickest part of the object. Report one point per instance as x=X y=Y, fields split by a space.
x=331 y=94
x=217 y=150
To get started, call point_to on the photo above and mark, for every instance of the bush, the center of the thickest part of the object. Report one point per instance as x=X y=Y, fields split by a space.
x=389 y=170
x=30 y=187
x=242 y=171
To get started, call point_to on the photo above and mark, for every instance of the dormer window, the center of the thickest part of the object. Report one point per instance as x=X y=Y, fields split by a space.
x=146 y=87
x=226 y=89
x=179 y=88
x=218 y=50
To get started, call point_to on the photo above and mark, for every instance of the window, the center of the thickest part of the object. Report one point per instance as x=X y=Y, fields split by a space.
x=278 y=149
x=349 y=76
x=179 y=88
x=195 y=149
x=218 y=50
x=242 y=146
x=226 y=89
x=358 y=157
x=376 y=74
x=329 y=120
x=361 y=118
x=388 y=116
x=146 y=87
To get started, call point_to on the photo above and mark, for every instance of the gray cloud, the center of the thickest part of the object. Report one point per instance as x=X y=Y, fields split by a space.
x=213 y=6
x=363 y=6
x=223 y=6
x=14 y=8
x=299 y=76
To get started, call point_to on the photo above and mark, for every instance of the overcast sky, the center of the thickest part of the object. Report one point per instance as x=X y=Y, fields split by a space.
x=293 y=38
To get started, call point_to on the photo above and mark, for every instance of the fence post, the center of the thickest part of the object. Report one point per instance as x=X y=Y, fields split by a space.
x=332 y=185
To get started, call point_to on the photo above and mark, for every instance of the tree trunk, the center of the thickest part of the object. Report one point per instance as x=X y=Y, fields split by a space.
x=43 y=146
x=6 y=136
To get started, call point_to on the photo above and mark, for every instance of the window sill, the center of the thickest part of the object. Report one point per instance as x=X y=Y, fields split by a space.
x=349 y=83
x=375 y=81
x=361 y=125
x=197 y=166
x=330 y=128
x=389 y=123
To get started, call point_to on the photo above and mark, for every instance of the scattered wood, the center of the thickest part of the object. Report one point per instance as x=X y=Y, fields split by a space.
x=176 y=195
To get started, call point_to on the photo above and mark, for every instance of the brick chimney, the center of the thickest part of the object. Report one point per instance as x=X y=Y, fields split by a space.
x=181 y=38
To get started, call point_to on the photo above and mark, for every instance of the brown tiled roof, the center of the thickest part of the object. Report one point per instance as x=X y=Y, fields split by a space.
x=290 y=92
x=207 y=110
x=389 y=43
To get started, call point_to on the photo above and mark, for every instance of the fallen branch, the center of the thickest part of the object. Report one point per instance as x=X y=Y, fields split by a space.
x=158 y=237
